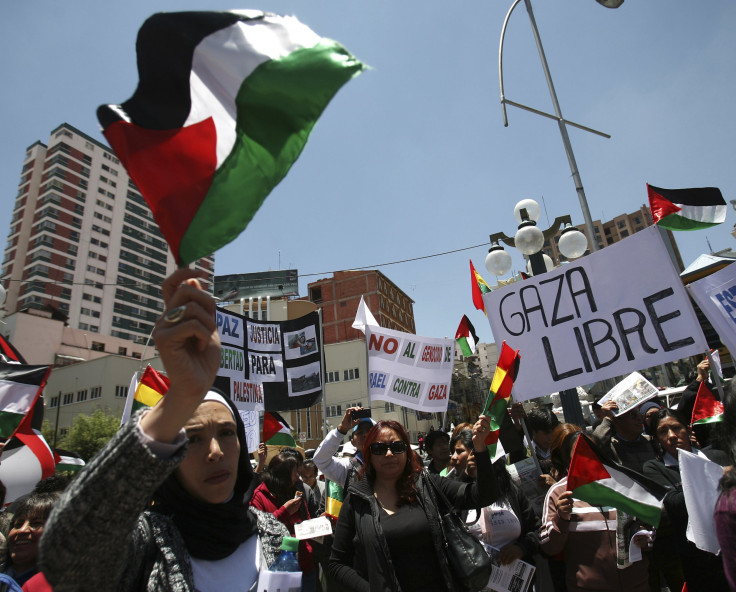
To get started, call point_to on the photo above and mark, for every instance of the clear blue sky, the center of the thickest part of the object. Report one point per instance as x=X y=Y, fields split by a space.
x=411 y=158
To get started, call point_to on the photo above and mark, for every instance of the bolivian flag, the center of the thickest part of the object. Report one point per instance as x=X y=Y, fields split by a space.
x=499 y=394
x=479 y=287
x=224 y=106
x=335 y=497
x=706 y=409
x=145 y=393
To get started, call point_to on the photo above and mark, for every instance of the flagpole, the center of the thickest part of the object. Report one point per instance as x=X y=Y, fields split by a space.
x=322 y=371
x=56 y=427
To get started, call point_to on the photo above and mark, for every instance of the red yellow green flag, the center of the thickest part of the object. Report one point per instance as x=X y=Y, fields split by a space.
x=152 y=386
x=706 y=409
x=499 y=395
x=335 y=497
x=479 y=287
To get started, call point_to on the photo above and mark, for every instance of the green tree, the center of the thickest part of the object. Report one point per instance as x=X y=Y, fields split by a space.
x=89 y=433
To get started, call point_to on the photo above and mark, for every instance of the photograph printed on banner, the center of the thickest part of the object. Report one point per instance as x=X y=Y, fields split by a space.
x=300 y=343
x=631 y=392
x=303 y=380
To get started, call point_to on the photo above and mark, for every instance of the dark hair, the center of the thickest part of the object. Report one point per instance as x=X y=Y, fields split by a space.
x=726 y=432
x=431 y=438
x=52 y=484
x=459 y=428
x=37 y=506
x=542 y=420
x=465 y=437
x=309 y=464
x=298 y=457
x=653 y=423
x=563 y=439
x=405 y=486
x=503 y=479
x=277 y=476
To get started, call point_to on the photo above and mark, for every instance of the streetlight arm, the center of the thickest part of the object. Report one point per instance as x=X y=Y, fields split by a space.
x=500 y=62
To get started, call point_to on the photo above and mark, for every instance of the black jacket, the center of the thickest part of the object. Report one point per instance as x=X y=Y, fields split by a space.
x=360 y=558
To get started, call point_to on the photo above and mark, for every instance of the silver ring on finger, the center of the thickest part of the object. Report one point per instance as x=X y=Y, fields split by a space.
x=175 y=314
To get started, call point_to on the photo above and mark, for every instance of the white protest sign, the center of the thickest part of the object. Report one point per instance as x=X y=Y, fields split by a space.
x=716 y=297
x=700 y=477
x=409 y=370
x=615 y=311
x=314 y=528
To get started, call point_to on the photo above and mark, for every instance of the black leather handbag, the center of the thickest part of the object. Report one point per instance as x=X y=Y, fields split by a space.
x=470 y=564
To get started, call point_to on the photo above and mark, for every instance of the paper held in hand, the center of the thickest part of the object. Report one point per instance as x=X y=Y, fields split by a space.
x=312 y=529
x=631 y=392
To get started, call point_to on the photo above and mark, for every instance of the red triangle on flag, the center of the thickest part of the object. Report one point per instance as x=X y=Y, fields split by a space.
x=659 y=205
x=273 y=423
x=585 y=466
x=706 y=404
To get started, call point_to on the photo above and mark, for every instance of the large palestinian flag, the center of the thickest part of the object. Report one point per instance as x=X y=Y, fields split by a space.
x=601 y=482
x=224 y=106
x=686 y=209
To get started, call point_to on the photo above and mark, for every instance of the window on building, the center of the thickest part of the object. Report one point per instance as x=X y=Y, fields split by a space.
x=95 y=392
x=389 y=407
x=624 y=233
x=122 y=351
x=54 y=402
x=68 y=399
x=121 y=391
x=97 y=346
x=315 y=295
x=81 y=395
x=351 y=374
x=333 y=377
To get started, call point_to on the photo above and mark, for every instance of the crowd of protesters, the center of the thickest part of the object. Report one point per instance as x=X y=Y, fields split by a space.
x=173 y=502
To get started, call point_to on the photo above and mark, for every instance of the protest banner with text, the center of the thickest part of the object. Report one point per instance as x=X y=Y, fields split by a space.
x=409 y=370
x=618 y=310
x=270 y=365
x=716 y=297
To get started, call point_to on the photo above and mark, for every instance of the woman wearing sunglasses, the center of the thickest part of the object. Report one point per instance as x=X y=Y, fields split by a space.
x=388 y=535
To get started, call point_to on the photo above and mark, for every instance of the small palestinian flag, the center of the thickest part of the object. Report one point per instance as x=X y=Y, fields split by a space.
x=707 y=408
x=601 y=482
x=67 y=461
x=499 y=395
x=479 y=287
x=26 y=459
x=8 y=351
x=276 y=432
x=224 y=106
x=465 y=337
x=20 y=387
x=335 y=497
x=686 y=209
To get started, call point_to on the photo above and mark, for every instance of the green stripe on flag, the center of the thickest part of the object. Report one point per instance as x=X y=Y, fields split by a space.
x=277 y=107
x=9 y=422
x=597 y=493
x=712 y=419
x=677 y=222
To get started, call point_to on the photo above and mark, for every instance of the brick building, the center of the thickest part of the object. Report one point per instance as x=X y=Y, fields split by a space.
x=339 y=298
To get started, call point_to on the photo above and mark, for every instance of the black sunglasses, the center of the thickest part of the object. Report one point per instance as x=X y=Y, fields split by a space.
x=381 y=448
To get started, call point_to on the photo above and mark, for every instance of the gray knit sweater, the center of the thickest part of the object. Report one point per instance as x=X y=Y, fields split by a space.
x=100 y=536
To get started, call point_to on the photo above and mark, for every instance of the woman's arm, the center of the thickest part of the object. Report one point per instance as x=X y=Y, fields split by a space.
x=88 y=541
x=341 y=560
x=555 y=527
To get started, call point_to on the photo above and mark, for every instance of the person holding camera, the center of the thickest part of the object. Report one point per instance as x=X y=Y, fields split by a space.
x=356 y=421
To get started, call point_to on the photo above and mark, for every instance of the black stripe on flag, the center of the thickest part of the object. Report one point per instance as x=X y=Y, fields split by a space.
x=23 y=374
x=698 y=196
x=165 y=49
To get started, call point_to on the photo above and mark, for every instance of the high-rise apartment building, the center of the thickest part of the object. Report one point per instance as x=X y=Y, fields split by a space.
x=83 y=244
x=339 y=297
x=614 y=230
